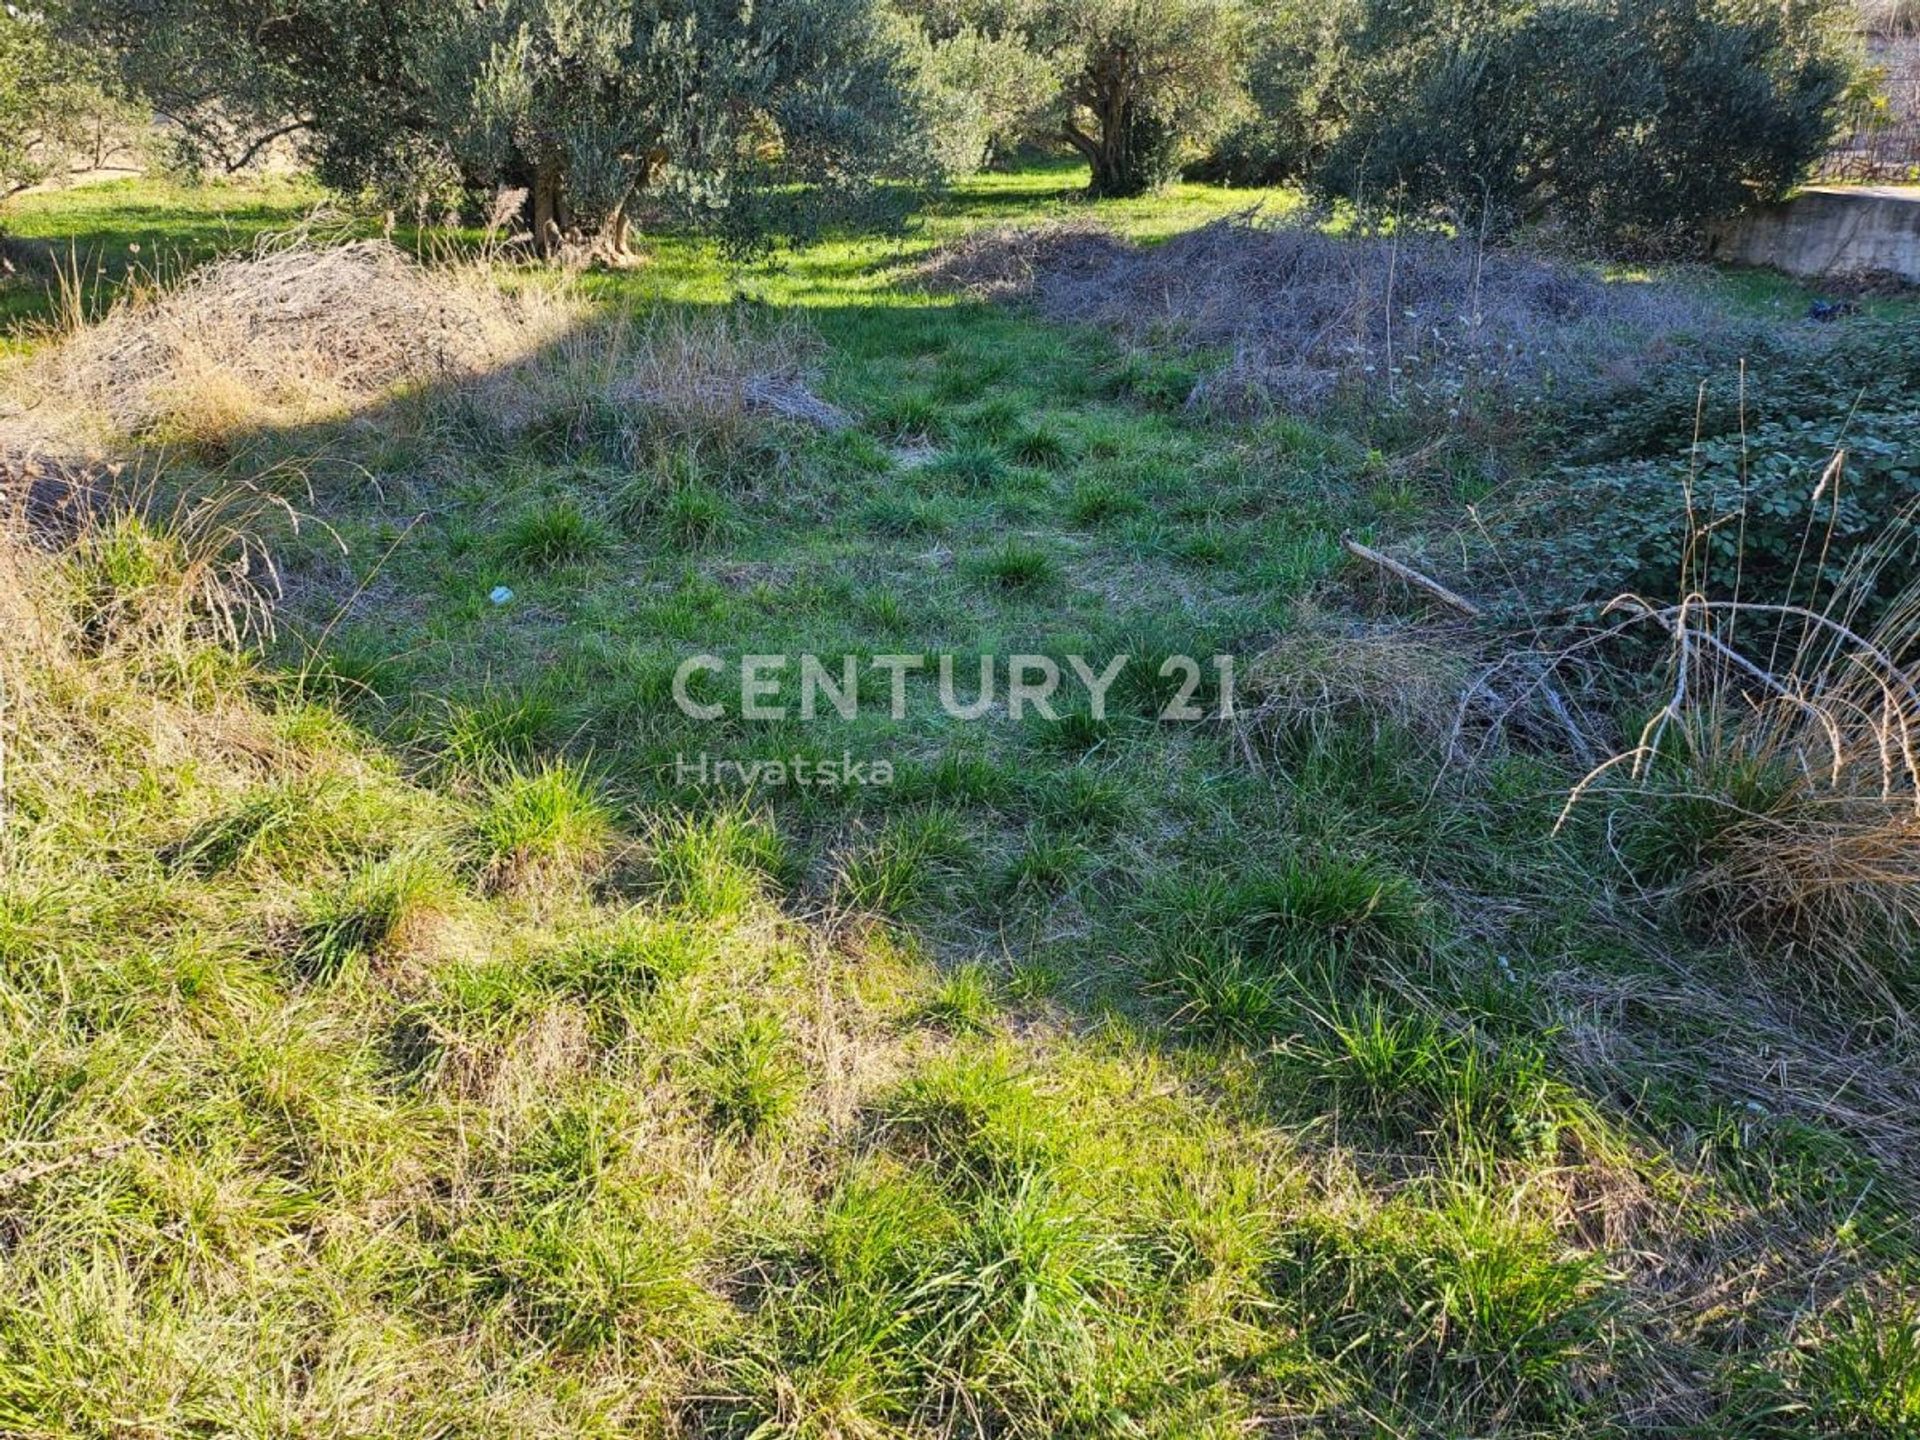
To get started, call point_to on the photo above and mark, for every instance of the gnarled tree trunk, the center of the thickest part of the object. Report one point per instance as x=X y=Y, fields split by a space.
x=1130 y=154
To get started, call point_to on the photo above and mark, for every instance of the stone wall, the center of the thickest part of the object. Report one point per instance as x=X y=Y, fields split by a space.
x=1830 y=231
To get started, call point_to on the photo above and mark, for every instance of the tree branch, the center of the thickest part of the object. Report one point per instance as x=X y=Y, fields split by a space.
x=259 y=144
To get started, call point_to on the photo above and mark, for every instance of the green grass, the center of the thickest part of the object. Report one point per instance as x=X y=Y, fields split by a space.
x=417 y=1048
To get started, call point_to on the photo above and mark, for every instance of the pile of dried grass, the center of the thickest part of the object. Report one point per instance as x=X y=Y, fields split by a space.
x=297 y=333
x=293 y=332
x=1012 y=261
x=1307 y=318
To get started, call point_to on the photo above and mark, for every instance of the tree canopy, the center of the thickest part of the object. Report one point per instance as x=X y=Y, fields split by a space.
x=1621 y=120
x=54 y=108
x=754 y=118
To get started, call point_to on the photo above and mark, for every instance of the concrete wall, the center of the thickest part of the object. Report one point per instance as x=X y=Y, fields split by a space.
x=1830 y=231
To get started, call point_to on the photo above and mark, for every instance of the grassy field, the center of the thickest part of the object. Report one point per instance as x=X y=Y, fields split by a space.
x=397 y=1036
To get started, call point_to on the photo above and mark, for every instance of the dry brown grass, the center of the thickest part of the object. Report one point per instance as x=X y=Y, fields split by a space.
x=299 y=333
x=291 y=333
x=717 y=377
x=1890 y=19
x=1782 y=776
x=1327 y=675
x=1013 y=261
x=1307 y=318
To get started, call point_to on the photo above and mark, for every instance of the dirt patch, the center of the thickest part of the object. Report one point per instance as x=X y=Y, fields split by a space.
x=51 y=499
x=1304 y=317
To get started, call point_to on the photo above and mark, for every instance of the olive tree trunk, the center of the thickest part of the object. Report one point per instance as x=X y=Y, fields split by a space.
x=1128 y=153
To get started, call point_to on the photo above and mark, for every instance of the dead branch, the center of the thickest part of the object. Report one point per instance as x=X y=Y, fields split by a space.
x=1411 y=577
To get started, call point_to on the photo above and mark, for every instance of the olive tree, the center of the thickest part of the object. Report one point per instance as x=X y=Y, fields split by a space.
x=1295 y=57
x=1134 y=86
x=754 y=118
x=1626 y=120
x=1143 y=81
x=55 y=115
x=982 y=91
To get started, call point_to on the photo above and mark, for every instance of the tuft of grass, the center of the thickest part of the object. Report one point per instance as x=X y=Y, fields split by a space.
x=718 y=866
x=1018 y=564
x=1074 y=732
x=1096 y=500
x=966 y=469
x=992 y=419
x=1045 y=864
x=1858 y=1373
x=910 y=416
x=906 y=515
x=750 y=1077
x=906 y=866
x=552 y=534
x=1327 y=911
x=376 y=914
x=1086 y=798
x=544 y=820
x=964 y=1000
x=1223 y=993
x=502 y=729
x=1040 y=445
x=959 y=777
x=1785 y=822
x=695 y=515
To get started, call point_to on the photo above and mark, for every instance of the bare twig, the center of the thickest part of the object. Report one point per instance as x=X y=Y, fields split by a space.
x=21 y=1176
x=1411 y=576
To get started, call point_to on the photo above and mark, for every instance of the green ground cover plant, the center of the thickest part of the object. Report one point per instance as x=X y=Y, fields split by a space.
x=398 y=1038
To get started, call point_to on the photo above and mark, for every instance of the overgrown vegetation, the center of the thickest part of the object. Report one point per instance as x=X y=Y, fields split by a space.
x=401 y=1037
x=1627 y=122
x=1619 y=122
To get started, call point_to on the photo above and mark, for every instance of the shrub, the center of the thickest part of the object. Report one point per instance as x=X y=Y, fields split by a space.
x=1626 y=120
x=1294 y=62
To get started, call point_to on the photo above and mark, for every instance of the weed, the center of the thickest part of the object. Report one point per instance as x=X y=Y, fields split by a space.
x=554 y=534
x=1017 y=564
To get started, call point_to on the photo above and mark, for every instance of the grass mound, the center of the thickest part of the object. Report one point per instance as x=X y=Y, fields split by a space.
x=293 y=331
x=1012 y=261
